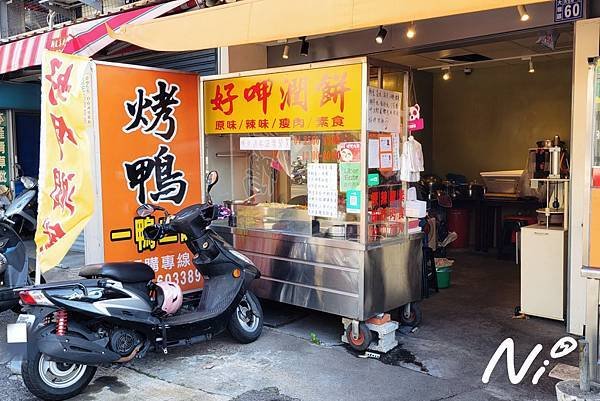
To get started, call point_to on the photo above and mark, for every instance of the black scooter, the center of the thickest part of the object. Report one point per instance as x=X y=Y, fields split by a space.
x=14 y=268
x=110 y=316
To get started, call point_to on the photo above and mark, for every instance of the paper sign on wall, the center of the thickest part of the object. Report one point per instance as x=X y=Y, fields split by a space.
x=349 y=152
x=373 y=153
x=373 y=179
x=384 y=110
x=349 y=176
x=353 y=201
x=322 y=189
x=265 y=143
x=396 y=151
x=385 y=161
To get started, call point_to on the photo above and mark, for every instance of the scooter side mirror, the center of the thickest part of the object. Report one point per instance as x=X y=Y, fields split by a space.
x=211 y=179
x=153 y=232
x=145 y=210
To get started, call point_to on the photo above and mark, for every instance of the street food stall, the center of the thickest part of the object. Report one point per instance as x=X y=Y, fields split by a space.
x=309 y=160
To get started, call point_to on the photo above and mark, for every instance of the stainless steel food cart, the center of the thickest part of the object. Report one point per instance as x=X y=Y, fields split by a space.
x=360 y=261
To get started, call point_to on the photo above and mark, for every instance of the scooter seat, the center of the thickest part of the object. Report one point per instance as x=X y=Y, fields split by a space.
x=125 y=272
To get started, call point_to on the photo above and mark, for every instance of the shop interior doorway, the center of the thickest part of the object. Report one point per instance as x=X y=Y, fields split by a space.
x=493 y=112
x=27 y=134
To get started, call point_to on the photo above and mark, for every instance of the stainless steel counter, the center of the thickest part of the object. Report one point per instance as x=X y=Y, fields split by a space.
x=341 y=277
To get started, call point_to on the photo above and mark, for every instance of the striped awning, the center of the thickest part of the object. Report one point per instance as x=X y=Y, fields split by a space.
x=86 y=38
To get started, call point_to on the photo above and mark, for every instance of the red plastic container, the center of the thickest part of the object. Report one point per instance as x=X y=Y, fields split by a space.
x=459 y=222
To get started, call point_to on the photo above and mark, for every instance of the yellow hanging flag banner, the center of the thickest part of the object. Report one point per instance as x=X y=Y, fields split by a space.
x=66 y=191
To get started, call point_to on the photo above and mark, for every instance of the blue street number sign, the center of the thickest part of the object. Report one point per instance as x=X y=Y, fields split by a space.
x=568 y=10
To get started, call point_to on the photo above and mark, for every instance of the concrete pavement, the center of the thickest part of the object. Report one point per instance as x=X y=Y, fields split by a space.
x=283 y=365
x=443 y=360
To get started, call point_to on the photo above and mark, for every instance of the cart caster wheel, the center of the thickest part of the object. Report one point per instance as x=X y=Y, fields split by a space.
x=413 y=318
x=518 y=310
x=363 y=340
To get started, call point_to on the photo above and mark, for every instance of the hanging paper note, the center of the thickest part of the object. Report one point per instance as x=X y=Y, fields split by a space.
x=322 y=189
x=349 y=176
x=383 y=113
x=353 y=201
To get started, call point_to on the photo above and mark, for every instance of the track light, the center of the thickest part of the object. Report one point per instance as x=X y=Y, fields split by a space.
x=447 y=74
x=411 y=31
x=381 y=35
x=304 y=47
x=531 y=69
x=286 y=52
x=523 y=13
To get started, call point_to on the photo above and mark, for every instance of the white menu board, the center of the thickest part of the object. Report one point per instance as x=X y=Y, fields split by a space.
x=384 y=110
x=265 y=143
x=322 y=179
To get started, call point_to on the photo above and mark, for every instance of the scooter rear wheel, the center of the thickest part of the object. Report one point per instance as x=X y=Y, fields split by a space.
x=55 y=381
x=246 y=323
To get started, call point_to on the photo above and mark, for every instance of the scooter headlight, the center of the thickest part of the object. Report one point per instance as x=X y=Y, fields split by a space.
x=28 y=182
x=3 y=263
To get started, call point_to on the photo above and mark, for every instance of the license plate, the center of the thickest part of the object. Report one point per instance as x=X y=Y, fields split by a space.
x=16 y=333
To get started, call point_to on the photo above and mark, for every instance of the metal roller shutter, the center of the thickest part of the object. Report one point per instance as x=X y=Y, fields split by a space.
x=203 y=62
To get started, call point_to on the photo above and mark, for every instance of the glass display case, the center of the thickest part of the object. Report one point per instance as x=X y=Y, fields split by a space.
x=309 y=162
x=270 y=187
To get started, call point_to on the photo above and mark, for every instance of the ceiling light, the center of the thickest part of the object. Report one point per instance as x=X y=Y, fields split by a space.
x=447 y=74
x=531 y=69
x=523 y=13
x=286 y=52
x=304 y=47
x=381 y=35
x=411 y=31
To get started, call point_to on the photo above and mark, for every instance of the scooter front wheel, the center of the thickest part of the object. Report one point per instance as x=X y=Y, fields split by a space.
x=55 y=381
x=246 y=323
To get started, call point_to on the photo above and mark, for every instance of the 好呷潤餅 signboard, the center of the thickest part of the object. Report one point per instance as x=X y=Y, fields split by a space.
x=149 y=153
x=310 y=100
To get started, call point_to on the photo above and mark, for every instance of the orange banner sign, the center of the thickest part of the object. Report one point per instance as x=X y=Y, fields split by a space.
x=149 y=153
x=319 y=99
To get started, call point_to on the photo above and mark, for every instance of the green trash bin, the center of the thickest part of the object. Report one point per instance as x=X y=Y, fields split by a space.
x=443 y=277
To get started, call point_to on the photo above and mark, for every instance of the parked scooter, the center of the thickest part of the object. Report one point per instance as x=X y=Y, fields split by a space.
x=117 y=313
x=21 y=213
x=14 y=268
